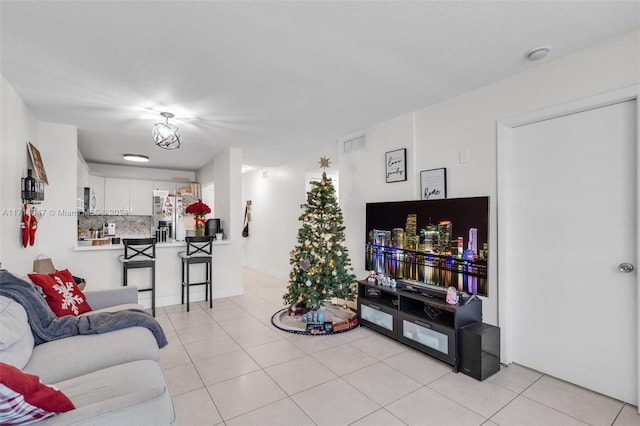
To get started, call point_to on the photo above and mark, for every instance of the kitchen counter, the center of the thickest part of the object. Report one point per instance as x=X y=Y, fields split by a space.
x=102 y=269
x=158 y=245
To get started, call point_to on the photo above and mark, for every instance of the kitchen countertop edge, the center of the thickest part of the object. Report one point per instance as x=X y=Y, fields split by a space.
x=158 y=245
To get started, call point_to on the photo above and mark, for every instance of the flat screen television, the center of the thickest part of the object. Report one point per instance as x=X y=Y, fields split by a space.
x=430 y=243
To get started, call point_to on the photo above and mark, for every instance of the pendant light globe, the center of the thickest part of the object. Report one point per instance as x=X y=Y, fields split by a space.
x=166 y=135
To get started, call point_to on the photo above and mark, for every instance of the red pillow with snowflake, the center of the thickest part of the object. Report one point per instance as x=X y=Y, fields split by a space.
x=62 y=293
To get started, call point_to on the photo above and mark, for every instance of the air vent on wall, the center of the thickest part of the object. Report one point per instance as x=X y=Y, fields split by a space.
x=353 y=144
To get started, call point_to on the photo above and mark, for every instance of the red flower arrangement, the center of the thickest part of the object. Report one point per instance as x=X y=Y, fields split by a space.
x=199 y=210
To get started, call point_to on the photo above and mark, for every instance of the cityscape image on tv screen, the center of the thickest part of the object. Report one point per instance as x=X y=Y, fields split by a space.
x=436 y=242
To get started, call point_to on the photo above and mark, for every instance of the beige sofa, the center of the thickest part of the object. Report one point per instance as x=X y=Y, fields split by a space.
x=112 y=378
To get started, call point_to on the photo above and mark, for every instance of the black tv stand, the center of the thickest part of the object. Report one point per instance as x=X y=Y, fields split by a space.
x=419 y=318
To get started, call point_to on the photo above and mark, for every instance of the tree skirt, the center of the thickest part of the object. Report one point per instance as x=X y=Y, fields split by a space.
x=337 y=319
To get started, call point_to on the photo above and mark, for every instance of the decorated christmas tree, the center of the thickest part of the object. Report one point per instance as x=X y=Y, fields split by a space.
x=320 y=263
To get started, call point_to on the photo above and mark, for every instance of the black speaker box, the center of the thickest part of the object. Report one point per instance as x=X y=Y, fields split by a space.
x=479 y=350
x=212 y=226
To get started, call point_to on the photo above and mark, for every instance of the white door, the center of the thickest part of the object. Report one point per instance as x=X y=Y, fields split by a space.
x=572 y=208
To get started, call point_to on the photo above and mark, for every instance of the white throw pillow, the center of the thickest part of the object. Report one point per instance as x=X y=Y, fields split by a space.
x=16 y=339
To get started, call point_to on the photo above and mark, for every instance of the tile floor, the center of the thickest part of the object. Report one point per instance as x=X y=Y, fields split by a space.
x=229 y=366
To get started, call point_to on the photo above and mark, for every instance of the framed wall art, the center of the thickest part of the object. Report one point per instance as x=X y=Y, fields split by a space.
x=38 y=165
x=396 y=165
x=433 y=184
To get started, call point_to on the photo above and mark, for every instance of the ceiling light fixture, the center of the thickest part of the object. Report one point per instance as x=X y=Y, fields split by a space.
x=137 y=158
x=166 y=135
x=537 y=53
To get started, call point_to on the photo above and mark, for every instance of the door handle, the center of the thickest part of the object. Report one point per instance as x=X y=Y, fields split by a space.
x=626 y=267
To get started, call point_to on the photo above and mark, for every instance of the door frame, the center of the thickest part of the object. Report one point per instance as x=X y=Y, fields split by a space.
x=504 y=221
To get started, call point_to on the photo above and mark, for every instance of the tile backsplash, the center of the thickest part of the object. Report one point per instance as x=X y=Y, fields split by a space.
x=126 y=225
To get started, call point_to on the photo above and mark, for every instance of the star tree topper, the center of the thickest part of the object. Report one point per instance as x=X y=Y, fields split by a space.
x=324 y=162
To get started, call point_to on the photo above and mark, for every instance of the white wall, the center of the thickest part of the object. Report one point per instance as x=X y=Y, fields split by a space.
x=17 y=126
x=225 y=173
x=57 y=229
x=433 y=136
x=57 y=144
x=468 y=123
x=276 y=194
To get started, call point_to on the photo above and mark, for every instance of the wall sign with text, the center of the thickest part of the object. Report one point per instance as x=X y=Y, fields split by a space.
x=396 y=165
x=433 y=184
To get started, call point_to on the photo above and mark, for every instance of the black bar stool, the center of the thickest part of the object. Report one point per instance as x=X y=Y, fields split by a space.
x=140 y=253
x=199 y=250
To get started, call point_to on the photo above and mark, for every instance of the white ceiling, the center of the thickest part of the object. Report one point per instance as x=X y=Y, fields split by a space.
x=276 y=79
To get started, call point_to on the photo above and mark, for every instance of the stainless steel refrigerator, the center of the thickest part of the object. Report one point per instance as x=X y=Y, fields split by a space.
x=168 y=211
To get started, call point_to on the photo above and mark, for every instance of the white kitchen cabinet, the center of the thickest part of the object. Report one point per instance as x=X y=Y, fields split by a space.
x=128 y=196
x=96 y=183
x=141 y=197
x=116 y=196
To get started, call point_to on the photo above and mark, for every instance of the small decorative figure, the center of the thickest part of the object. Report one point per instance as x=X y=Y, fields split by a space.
x=452 y=296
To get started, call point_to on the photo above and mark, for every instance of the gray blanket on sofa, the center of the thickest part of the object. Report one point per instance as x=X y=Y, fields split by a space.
x=46 y=326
